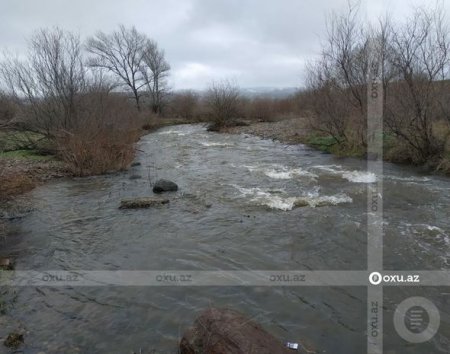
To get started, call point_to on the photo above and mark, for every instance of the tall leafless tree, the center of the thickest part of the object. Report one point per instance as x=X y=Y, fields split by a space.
x=135 y=60
x=122 y=54
x=339 y=78
x=418 y=97
x=46 y=84
x=155 y=72
x=415 y=61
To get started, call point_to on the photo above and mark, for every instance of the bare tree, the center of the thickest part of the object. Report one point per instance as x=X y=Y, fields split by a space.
x=327 y=103
x=155 y=72
x=418 y=97
x=415 y=62
x=46 y=84
x=339 y=79
x=121 y=53
x=8 y=110
x=223 y=99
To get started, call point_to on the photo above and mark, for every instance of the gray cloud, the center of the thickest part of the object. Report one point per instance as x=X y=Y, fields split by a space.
x=256 y=42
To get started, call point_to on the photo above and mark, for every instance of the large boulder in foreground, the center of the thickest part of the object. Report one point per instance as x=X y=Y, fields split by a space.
x=224 y=331
x=143 y=202
x=164 y=185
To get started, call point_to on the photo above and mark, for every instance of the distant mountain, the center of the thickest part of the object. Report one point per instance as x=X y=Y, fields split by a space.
x=271 y=92
x=252 y=92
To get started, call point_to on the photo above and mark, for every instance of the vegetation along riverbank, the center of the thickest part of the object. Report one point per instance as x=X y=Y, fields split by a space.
x=84 y=117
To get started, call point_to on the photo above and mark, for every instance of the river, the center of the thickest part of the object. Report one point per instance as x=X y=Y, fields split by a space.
x=235 y=210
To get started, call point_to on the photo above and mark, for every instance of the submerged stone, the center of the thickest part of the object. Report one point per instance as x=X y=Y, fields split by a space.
x=135 y=177
x=6 y=264
x=301 y=203
x=143 y=202
x=14 y=340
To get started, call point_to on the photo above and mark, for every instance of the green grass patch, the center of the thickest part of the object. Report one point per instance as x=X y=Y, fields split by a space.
x=343 y=150
x=323 y=143
x=12 y=140
x=330 y=145
x=389 y=141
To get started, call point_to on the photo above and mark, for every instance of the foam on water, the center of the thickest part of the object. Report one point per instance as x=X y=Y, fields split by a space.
x=425 y=235
x=329 y=168
x=281 y=172
x=408 y=179
x=351 y=176
x=171 y=131
x=314 y=199
x=365 y=176
x=360 y=176
x=288 y=173
x=275 y=199
x=328 y=200
x=434 y=228
x=270 y=198
x=208 y=144
x=278 y=174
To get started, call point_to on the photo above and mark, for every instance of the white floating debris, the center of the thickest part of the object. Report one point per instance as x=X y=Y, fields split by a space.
x=293 y=346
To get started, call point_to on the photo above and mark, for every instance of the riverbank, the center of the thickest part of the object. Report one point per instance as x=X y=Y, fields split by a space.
x=22 y=170
x=288 y=131
x=293 y=131
x=296 y=131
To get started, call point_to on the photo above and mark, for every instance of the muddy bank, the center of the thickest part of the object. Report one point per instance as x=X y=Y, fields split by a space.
x=288 y=131
x=18 y=176
x=21 y=175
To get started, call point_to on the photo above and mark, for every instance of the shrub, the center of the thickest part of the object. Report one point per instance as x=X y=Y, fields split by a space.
x=185 y=105
x=97 y=152
x=104 y=139
x=223 y=100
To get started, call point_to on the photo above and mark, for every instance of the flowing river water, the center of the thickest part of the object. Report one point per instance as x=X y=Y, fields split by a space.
x=235 y=210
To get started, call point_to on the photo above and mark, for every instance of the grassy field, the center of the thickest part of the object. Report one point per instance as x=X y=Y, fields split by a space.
x=23 y=165
x=12 y=140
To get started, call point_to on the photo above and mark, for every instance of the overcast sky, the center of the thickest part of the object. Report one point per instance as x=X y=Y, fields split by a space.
x=255 y=42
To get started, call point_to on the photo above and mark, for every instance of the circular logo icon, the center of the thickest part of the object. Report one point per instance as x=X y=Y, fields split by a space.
x=416 y=319
x=375 y=278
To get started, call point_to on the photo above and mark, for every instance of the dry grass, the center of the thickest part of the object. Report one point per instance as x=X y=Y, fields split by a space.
x=15 y=184
x=19 y=175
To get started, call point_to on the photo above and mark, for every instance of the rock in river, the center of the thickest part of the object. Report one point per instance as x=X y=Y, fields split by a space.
x=6 y=264
x=14 y=340
x=143 y=202
x=164 y=185
x=224 y=331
